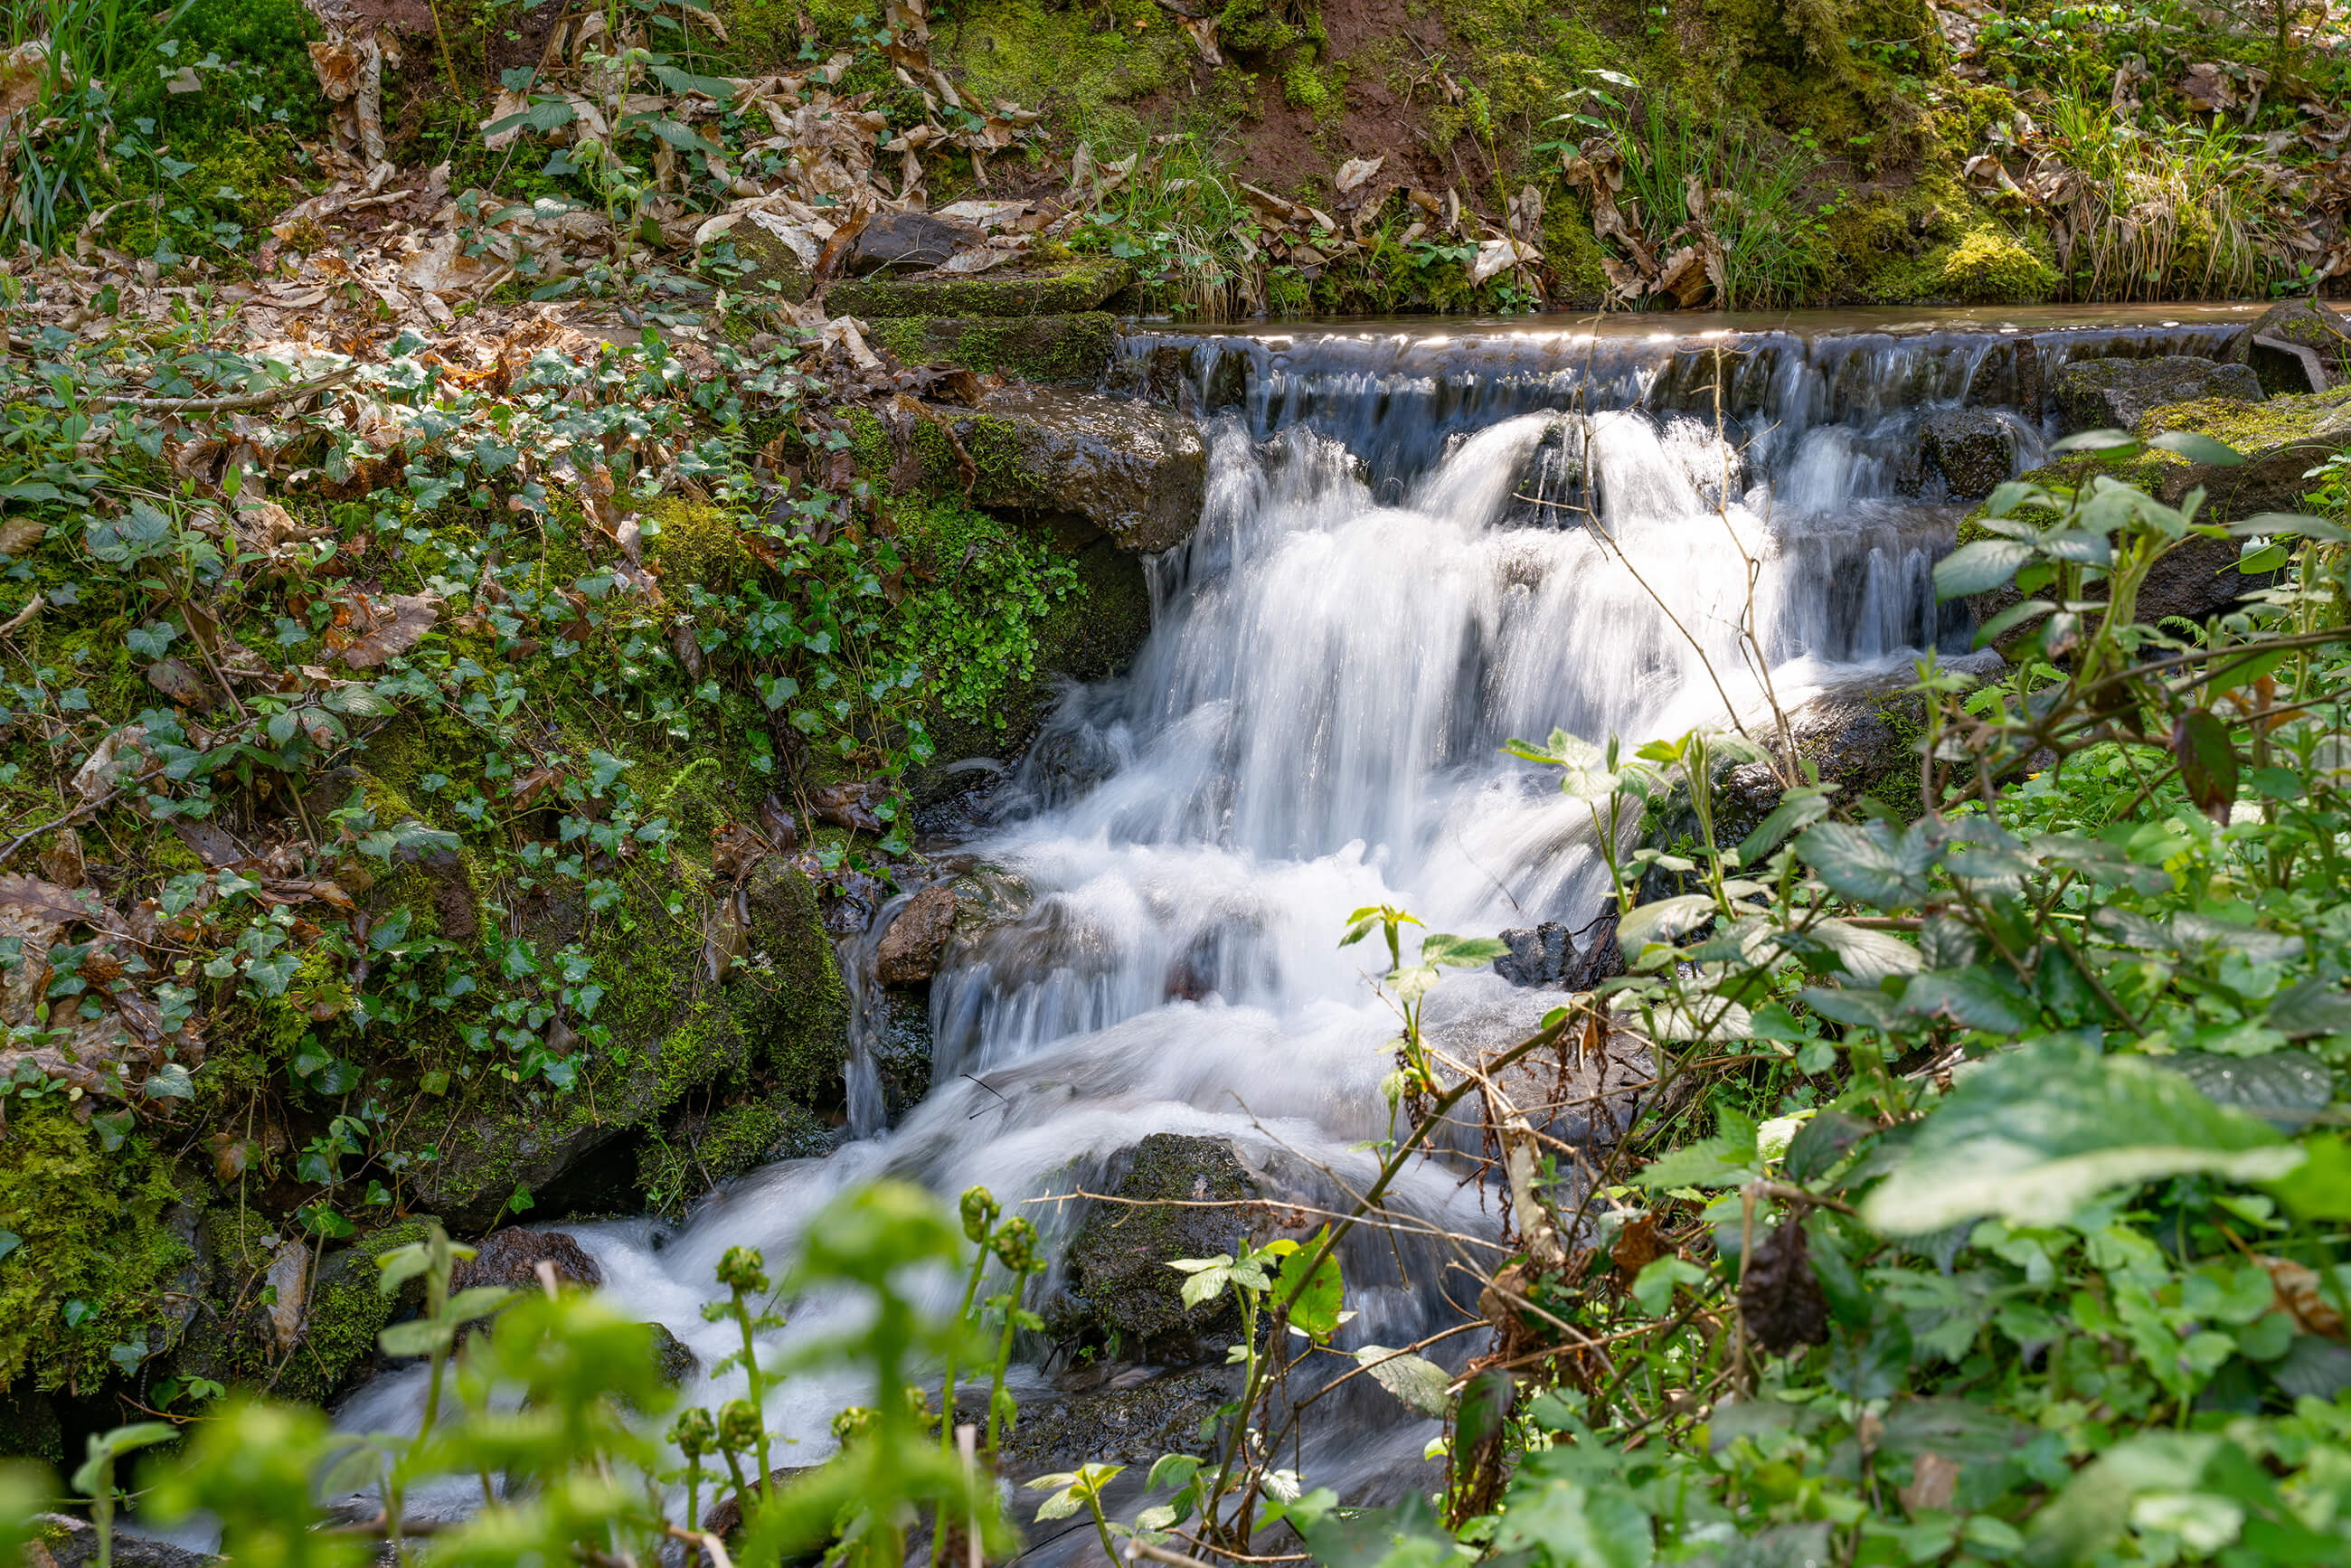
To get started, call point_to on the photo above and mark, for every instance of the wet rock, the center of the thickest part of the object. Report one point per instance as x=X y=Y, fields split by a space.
x=901 y=1044
x=1539 y=955
x=1863 y=737
x=1055 y=290
x=1974 y=448
x=1121 y=1294
x=724 y=1518
x=1131 y=1422
x=696 y=1150
x=2297 y=346
x=2114 y=395
x=29 y=1427
x=909 y=242
x=1579 y=1091
x=671 y=1358
x=511 y=1257
x=1070 y=349
x=1113 y=466
x=2010 y=377
x=909 y=949
x=70 y=1543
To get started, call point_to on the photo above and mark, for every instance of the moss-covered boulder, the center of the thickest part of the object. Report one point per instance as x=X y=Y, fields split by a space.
x=2116 y=393
x=2297 y=346
x=1131 y=1424
x=1122 y=1295
x=1136 y=472
x=1058 y=288
x=1973 y=448
x=1056 y=351
x=676 y=1029
x=693 y=1151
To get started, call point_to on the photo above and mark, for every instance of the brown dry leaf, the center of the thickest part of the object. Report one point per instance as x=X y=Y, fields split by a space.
x=177 y=680
x=21 y=71
x=2297 y=1288
x=20 y=535
x=1637 y=1246
x=1355 y=171
x=726 y=937
x=527 y=788
x=1935 y=1478
x=851 y=805
x=776 y=822
x=2209 y=86
x=33 y=901
x=63 y=863
x=390 y=628
x=735 y=849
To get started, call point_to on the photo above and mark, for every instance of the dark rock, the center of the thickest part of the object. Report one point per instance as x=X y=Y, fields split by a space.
x=1128 y=1424
x=2297 y=346
x=900 y=1041
x=725 y=1517
x=671 y=1358
x=1115 y=467
x=806 y=1137
x=1054 y=291
x=29 y=1427
x=1974 y=447
x=1863 y=737
x=511 y=1257
x=1123 y=1291
x=1070 y=350
x=1539 y=955
x=2114 y=395
x=909 y=949
x=909 y=242
x=2010 y=377
x=71 y=1543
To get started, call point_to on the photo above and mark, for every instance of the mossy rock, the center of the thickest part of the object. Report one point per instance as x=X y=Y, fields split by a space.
x=1123 y=1296
x=2297 y=346
x=672 y=1032
x=1132 y=1424
x=1058 y=289
x=694 y=1151
x=2116 y=393
x=1058 y=350
x=1991 y=267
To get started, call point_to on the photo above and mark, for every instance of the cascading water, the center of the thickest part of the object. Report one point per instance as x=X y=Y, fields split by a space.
x=1417 y=545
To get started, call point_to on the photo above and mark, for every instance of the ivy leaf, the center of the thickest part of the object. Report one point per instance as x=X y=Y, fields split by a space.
x=2032 y=1135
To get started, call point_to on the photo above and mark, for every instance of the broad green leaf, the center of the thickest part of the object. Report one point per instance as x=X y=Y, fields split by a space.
x=104 y=1449
x=1315 y=1303
x=1868 y=956
x=1664 y=919
x=1972 y=998
x=2199 y=448
x=1418 y=1382
x=2208 y=761
x=2320 y=1187
x=1571 y=1524
x=1709 y=1161
x=1460 y=952
x=1659 y=1278
x=1978 y=566
x=676 y=80
x=2296 y=525
x=2106 y=444
x=1206 y=1285
x=1872 y=864
x=2032 y=1135
x=418 y=1336
x=1799 y=808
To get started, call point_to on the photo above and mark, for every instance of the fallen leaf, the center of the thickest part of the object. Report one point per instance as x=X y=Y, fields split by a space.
x=390 y=628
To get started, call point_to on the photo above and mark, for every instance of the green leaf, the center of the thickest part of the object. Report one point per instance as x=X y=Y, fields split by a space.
x=1315 y=1303
x=1799 y=808
x=1870 y=864
x=1709 y=1161
x=1418 y=1382
x=2320 y=1187
x=1571 y=1524
x=2106 y=443
x=2199 y=448
x=678 y=80
x=1978 y=566
x=1972 y=998
x=9 y=1242
x=2292 y=524
x=1460 y=952
x=418 y=1336
x=2032 y=1135
x=1664 y=919
x=107 y=1447
x=1659 y=1278
x=677 y=135
x=2015 y=615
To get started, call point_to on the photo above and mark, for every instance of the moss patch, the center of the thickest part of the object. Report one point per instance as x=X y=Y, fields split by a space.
x=1066 y=350
x=1063 y=288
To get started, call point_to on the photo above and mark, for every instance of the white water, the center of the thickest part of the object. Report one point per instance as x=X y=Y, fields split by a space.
x=1315 y=726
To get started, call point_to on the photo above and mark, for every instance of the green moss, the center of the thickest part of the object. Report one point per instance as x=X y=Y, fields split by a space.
x=1060 y=289
x=1034 y=53
x=1069 y=350
x=95 y=1252
x=1991 y=267
x=699 y=1153
x=344 y=1314
x=696 y=542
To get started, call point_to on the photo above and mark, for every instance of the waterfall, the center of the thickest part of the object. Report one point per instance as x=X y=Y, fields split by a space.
x=1418 y=545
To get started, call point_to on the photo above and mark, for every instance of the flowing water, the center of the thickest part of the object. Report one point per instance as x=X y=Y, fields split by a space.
x=1420 y=541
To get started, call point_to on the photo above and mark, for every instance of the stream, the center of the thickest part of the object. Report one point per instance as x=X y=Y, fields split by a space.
x=1397 y=573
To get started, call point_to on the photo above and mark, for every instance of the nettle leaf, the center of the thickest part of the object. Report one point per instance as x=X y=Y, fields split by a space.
x=2032 y=1135
x=1978 y=566
x=1664 y=919
x=1711 y=1162
x=1972 y=998
x=1871 y=864
x=1422 y=1385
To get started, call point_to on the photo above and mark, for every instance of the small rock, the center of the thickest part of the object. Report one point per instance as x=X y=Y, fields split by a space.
x=725 y=1517
x=676 y=1363
x=1974 y=447
x=1118 y=1271
x=909 y=242
x=909 y=949
x=2114 y=395
x=1539 y=955
x=511 y=1257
